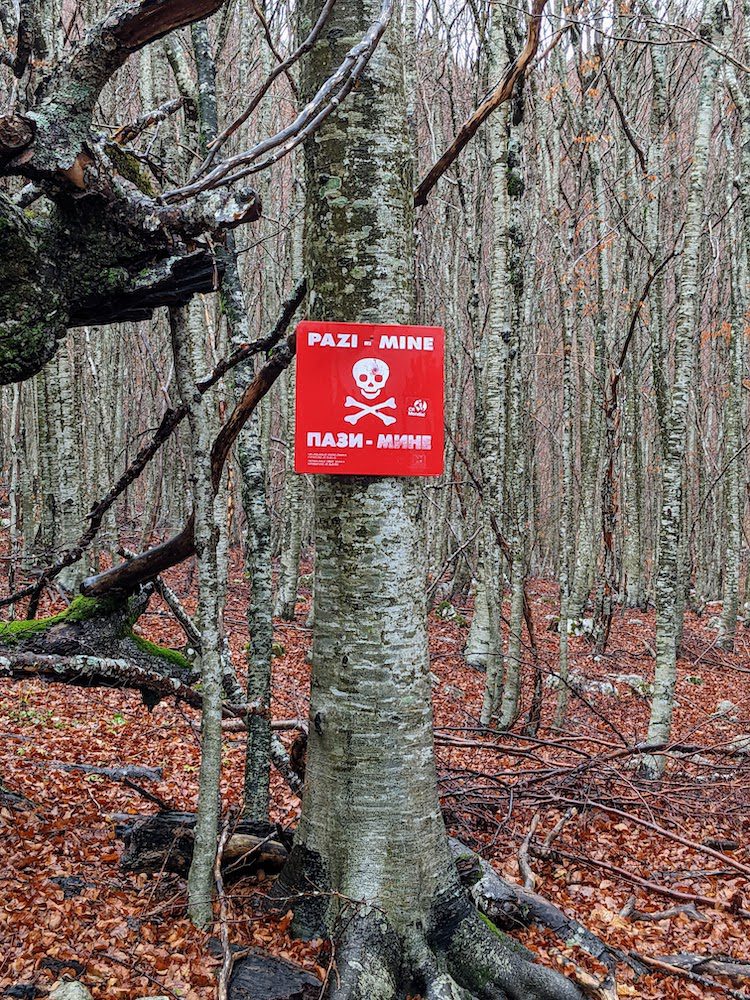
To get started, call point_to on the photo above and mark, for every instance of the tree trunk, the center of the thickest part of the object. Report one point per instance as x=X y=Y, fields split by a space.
x=188 y=336
x=670 y=577
x=371 y=840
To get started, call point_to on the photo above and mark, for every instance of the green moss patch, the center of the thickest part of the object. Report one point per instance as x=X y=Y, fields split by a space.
x=81 y=609
x=172 y=655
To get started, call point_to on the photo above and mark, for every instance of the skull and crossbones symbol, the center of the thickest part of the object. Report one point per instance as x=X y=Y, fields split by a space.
x=370 y=377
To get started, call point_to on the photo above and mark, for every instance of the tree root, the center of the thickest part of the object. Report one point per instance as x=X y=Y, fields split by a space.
x=511 y=906
x=462 y=958
x=366 y=963
x=492 y=966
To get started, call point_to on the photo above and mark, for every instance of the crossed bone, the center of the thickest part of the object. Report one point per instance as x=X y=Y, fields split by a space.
x=388 y=404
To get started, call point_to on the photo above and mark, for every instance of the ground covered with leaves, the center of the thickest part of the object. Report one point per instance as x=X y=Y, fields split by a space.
x=605 y=846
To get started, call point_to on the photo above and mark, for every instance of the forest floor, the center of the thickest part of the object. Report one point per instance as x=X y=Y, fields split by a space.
x=127 y=936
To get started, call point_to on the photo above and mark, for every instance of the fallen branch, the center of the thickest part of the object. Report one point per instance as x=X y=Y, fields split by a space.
x=529 y=878
x=175 y=605
x=629 y=912
x=164 y=842
x=674 y=970
x=660 y=830
x=716 y=965
x=126 y=775
x=92 y=671
x=633 y=879
x=126 y=772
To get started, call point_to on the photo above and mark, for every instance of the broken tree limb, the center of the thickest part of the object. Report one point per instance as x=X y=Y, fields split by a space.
x=127 y=576
x=126 y=775
x=660 y=830
x=164 y=842
x=68 y=96
x=524 y=866
x=502 y=93
x=175 y=605
x=131 y=772
x=633 y=879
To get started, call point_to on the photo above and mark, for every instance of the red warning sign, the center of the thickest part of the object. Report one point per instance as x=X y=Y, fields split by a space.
x=369 y=399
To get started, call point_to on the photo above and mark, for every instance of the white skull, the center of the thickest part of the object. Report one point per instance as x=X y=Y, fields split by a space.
x=370 y=375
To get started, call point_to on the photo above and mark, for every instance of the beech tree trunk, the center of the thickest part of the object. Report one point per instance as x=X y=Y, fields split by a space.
x=670 y=577
x=371 y=840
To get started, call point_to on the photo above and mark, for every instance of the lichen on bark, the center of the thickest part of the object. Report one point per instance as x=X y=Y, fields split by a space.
x=371 y=865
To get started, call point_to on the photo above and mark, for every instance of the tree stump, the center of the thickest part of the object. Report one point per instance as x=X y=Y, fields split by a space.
x=259 y=976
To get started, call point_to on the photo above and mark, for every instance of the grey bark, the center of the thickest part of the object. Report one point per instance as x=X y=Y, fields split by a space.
x=670 y=577
x=371 y=837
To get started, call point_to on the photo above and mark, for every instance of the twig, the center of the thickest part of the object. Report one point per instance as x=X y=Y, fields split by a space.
x=529 y=878
x=557 y=829
x=228 y=962
x=633 y=879
x=655 y=828
x=328 y=98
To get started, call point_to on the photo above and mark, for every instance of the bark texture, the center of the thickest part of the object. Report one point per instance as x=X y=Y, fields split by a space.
x=670 y=576
x=371 y=864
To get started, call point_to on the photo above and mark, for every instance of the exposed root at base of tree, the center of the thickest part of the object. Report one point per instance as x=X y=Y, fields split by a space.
x=462 y=957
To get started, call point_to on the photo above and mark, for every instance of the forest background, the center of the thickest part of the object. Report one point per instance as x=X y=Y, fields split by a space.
x=587 y=256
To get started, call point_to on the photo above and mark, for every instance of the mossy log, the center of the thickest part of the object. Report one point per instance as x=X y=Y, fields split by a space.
x=94 y=629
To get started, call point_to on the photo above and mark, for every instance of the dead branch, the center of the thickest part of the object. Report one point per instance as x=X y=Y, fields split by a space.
x=673 y=970
x=92 y=671
x=630 y=912
x=502 y=93
x=270 y=150
x=186 y=623
x=649 y=886
x=509 y=905
x=716 y=965
x=228 y=958
x=655 y=828
x=126 y=133
x=132 y=772
x=281 y=67
x=127 y=576
x=529 y=878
